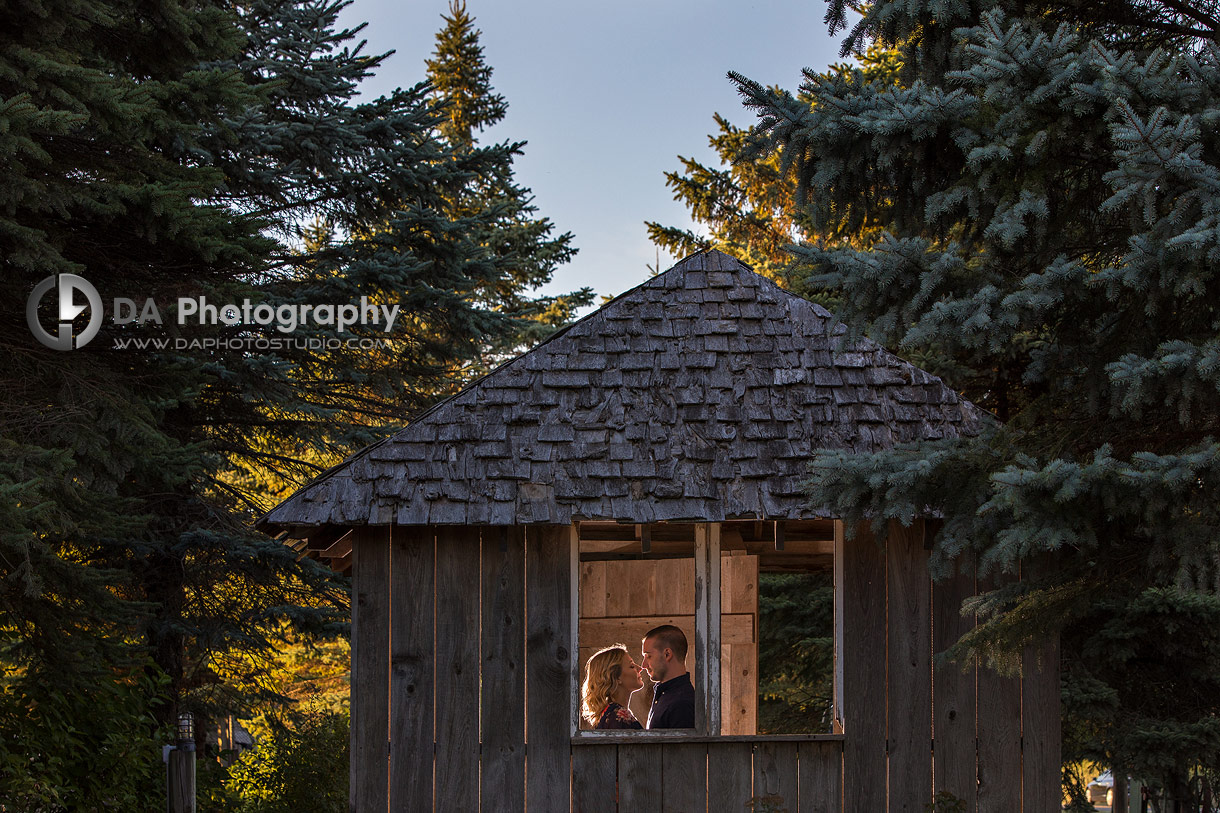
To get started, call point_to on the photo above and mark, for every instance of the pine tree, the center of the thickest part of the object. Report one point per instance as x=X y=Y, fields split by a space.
x=1040 y=197
x=519 y=242
x=749 y=204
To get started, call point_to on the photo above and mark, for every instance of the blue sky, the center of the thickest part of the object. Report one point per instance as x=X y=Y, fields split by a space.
x=608 y=95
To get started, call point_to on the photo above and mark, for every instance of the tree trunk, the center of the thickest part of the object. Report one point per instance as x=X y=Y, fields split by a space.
x=163 y=585
x=1181 y=792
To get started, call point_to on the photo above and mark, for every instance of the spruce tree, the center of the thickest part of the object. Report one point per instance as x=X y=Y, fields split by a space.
x=184 y=150
x=1039 y=200
x=462 y=79
x=522 y=244
x=100 y=106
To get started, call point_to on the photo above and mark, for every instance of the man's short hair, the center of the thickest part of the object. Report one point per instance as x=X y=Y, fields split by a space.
x=670 y=636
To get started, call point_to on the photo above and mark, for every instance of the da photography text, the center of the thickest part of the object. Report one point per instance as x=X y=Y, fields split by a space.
x=286 y=318
x=75 y=296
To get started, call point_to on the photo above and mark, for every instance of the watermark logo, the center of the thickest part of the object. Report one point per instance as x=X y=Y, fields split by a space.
x=253 y=321
x=67 y=286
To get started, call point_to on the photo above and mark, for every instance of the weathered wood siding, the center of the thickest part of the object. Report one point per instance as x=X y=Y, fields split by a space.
x=953 y=711
x=913 y=727
x=370 y=704
x=461 y=686
x=412 y=659
x=708 y=775
x=458 y=557
x=548 y=660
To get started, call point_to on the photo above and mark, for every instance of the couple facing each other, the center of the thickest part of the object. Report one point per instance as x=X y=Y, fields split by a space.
x=611 y=676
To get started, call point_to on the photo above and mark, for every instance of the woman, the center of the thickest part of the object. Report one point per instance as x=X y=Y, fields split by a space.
x=610 y=677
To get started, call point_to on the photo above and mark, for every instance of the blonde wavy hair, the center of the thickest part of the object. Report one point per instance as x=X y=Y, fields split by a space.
x=602 y=672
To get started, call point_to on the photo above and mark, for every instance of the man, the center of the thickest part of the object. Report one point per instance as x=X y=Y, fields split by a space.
x=664 y=658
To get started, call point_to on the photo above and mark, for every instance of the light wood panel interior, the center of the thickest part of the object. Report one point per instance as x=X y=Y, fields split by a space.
x=620 y=600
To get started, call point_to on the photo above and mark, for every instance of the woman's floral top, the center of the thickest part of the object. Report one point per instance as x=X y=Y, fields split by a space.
x=615 y=716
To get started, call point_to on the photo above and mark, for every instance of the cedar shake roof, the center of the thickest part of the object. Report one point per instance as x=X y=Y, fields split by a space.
x=699 y=395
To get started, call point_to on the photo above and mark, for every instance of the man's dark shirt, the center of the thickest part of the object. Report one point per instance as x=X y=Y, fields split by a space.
x=673 y=704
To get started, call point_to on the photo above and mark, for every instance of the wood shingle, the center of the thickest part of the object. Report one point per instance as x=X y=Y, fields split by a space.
x=698 y=395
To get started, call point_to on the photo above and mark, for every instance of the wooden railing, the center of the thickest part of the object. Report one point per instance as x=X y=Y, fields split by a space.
x=686 y=774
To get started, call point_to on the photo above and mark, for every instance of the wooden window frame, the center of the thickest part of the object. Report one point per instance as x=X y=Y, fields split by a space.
x=708 y=703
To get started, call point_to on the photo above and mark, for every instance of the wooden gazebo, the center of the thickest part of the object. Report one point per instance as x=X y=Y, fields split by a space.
x=646 y=464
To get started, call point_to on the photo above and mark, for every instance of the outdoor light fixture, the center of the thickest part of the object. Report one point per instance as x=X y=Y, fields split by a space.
x=186 y=727
x=179 y=762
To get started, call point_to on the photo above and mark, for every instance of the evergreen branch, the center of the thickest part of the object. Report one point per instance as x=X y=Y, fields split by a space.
x=1188 y=10
x=1180 y=30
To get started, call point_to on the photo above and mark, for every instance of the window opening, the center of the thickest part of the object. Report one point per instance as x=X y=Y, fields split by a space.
x=777 y=627
x=771 y=615
x=634 y=578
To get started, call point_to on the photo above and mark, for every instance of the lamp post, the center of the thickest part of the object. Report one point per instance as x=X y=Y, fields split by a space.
x=179 y=761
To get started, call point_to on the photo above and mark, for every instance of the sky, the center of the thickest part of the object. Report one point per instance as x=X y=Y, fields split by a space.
x=607 y=95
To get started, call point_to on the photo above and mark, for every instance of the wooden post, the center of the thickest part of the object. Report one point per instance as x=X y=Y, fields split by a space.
x=578 y=595
x=180 y=767
x=953 y=692
x=998 y=723
x=1041 y=738
x=1120 y=791
x=1041 y=746
x=838 y=620
x=181 y=778
x=707 y=627
x=457 y=667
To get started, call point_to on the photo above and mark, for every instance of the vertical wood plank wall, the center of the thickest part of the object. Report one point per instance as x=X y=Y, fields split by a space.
x=864 y=675
x=547 y=661
x=502 y=783
x=739 y=660
x=460 y=646
x=370 y=703
x=913 y=727
x=411 y=668
x=954 y=699
x=998 y=733
x=707 y=777
x=458 y=561
x=909 y=643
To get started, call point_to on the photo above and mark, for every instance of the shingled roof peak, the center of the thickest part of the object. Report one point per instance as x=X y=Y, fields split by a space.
x=709 y=259
x=700 y=394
